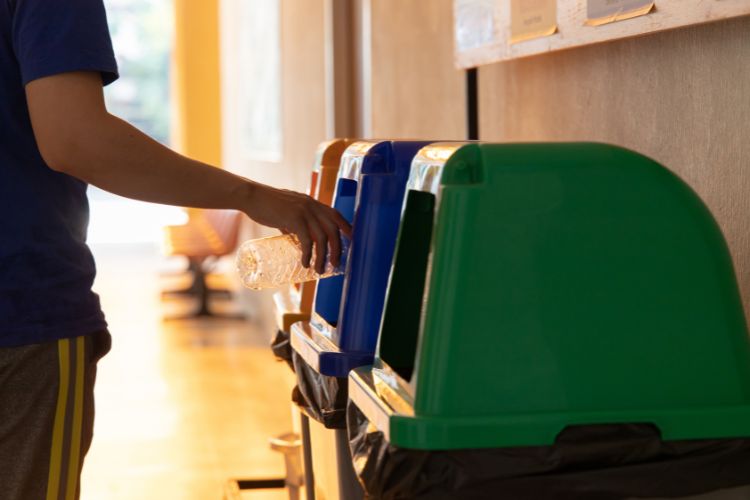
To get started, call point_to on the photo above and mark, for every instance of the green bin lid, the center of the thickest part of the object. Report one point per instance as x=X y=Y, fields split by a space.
x=565 y=284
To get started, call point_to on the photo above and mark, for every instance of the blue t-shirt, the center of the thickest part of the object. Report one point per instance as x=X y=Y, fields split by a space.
x=46 y=269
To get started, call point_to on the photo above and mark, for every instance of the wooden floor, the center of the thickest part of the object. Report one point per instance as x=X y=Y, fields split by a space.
x=181 y=406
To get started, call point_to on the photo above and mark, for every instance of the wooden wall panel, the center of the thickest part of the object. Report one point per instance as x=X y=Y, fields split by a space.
x=303 y=106
x=681 y=97
x=303 y=98
x=304 y=86
x=415 y=90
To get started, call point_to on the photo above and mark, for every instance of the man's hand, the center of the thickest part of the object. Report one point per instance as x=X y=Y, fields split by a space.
x=299 y=214
x=77 y=136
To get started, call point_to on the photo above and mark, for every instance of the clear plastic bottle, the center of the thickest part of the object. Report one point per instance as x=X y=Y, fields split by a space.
x=276 y=261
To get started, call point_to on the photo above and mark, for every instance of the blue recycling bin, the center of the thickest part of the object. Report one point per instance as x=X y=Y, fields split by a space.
x=343 y=329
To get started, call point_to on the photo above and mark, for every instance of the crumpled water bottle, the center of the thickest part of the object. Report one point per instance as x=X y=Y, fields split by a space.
x=277 y=260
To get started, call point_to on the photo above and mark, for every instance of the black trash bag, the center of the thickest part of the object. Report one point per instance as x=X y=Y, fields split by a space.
x=598 y=462
x=282 y=347
x=323 y=398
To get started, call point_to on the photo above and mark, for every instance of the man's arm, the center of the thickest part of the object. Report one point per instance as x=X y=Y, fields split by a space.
x=77 y=136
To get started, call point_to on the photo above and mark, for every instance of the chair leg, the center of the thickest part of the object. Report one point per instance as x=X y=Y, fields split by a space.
x=176 y=272
x=195 y=267
x=202 y=293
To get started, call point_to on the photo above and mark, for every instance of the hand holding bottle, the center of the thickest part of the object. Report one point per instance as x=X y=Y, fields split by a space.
x=276 y=261
x=313 y=223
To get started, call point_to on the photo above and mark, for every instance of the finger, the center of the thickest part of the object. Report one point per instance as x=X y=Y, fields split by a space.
x=305 y=244
x=321 y=243
x=340 y=221
x=334 y=240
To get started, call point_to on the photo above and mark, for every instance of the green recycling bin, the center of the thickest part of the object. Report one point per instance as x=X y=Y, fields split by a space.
x=571 y=292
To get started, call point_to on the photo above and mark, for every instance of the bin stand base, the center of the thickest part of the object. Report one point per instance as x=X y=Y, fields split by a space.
x=349 y=487
x=307 y=456
x=335 y=478
x=199 y=288
x=289 y=445
x=234 y=487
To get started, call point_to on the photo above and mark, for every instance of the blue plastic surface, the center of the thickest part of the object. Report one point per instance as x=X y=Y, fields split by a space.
x=381 y=185
x=328 y=292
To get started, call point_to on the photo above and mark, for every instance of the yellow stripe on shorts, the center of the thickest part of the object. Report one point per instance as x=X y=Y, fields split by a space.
x=53 y=481
x=75 y=434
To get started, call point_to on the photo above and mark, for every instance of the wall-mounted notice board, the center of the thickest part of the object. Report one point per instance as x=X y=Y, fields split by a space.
x=487 y=31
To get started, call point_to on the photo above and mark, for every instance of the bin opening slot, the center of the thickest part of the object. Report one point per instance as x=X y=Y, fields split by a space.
x=403 y=308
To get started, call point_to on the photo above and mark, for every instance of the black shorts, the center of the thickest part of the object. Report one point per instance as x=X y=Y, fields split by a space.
x=47 y=416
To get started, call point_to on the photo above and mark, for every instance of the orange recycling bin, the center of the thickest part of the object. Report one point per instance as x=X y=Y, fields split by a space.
x=294 y=303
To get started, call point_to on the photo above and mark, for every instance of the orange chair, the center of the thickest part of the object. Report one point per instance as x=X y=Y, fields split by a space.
x=208 y=235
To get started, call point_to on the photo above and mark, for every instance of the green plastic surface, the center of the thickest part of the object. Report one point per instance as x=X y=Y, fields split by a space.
x=567 y=284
